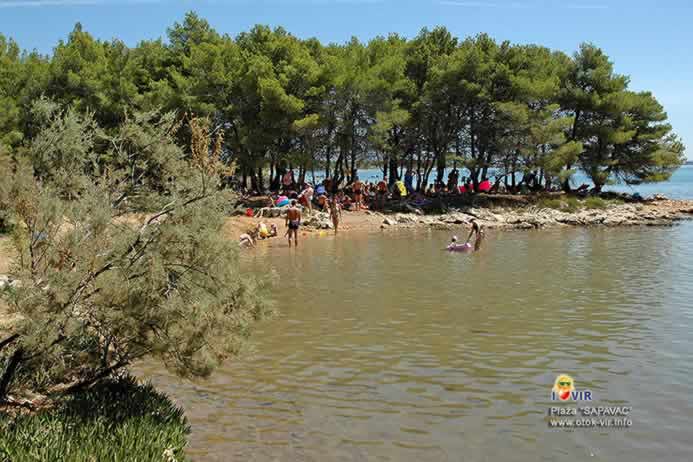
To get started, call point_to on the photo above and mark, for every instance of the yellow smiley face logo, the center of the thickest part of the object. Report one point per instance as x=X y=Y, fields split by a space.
x=563 y=386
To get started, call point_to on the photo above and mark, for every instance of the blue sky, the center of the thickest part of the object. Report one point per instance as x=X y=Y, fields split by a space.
x=647 y=39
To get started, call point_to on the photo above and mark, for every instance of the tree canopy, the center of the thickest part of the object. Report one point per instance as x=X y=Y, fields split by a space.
x=420 y=104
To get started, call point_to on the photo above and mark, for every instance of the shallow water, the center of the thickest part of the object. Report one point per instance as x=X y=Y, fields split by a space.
x=390 y=349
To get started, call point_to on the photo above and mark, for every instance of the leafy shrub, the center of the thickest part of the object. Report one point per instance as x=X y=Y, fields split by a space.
x=569 y=204
x=550 y=204
x=595 y=203
x=119 y=420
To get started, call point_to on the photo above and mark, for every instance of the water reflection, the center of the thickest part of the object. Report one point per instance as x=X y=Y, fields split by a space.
x=390 y=349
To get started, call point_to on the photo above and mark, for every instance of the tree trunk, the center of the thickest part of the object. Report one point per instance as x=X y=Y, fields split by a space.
x=393 y=170
x=312 y=168
x=92 y=380
x=272 y=171
x=8 y=340
x=260 y=183
x=418 y=173
x=8 y=375
x=441 y=160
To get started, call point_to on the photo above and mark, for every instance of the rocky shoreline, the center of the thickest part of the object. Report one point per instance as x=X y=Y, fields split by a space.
x=654 y=213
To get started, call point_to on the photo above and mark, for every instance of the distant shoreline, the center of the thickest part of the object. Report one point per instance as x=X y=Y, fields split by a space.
x=663 y=212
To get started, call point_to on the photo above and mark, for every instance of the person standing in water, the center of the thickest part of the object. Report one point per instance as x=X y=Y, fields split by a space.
x=293 y=221
x=479 y=231
x=335 y=213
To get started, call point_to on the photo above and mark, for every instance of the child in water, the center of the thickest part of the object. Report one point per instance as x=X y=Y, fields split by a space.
x=455 y=247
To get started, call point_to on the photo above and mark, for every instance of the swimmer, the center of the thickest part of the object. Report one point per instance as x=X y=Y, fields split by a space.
x=455 y=247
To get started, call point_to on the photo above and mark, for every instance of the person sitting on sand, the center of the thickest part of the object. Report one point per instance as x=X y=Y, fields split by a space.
x=246 y=240
x=335 y=213
x=273 y=230
x=381 y=193
x=322 y=202
x=346 y=202
x=399 y=190
x=479 y=231
x=262 y=230
x=293 y=221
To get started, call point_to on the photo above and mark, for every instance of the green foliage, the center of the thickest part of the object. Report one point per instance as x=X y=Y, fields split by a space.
x=119 y=420
x=99 y=288
x=287 y=102
x=567 y=204
x=572 y=204
x=595 y=202
x=61 y=152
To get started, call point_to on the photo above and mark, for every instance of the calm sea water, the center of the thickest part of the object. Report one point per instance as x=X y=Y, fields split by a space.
x=680 y=186
x=390 y=349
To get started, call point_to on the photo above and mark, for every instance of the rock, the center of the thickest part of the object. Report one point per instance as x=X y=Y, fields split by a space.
x=318 y=220
x=6 y=281
x=525 y=225
x=389 y=222
x=660 y=197
x=483 y=214
x=405 y=219
x=456 y=218
x=413 y=209
x=614 y=220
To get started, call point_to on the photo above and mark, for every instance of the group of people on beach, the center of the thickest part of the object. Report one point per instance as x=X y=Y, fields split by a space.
x=358 y=192
x=356 y=196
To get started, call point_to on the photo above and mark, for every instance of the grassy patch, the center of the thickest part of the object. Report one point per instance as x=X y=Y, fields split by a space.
x=595 y=203
x=120 y=420
x=573 y=204
x=567 y=204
